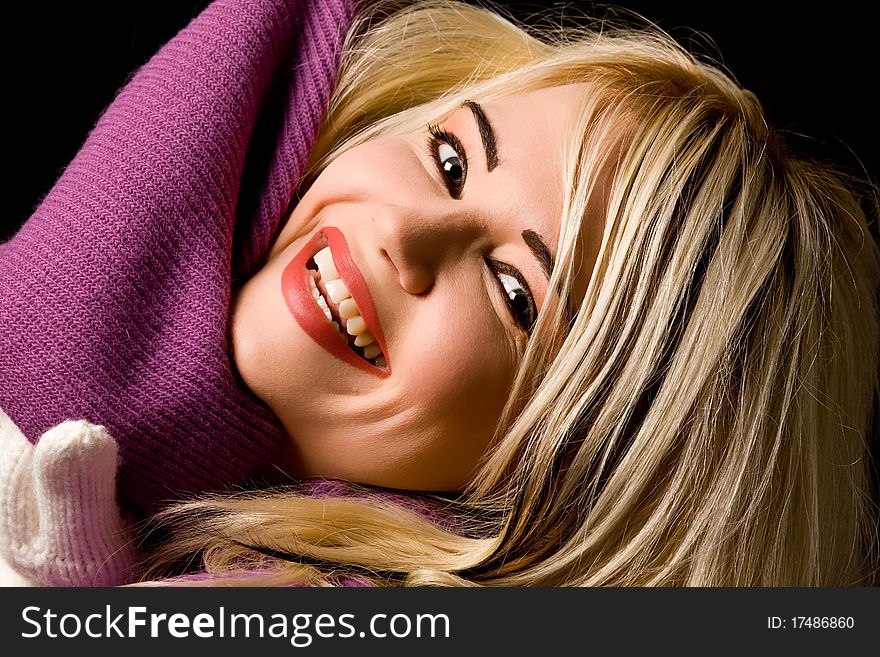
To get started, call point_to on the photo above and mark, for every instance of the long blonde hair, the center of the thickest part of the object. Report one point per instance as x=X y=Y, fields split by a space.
x=701 y=418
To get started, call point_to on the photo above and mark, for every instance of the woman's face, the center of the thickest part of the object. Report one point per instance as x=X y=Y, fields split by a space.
x=444 y=242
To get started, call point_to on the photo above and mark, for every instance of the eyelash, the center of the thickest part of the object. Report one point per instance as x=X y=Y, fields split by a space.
x=437 y=137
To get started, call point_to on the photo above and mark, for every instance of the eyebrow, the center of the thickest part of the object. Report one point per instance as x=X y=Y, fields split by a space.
x=490 y=144
x=487 y=133
x=540 y=250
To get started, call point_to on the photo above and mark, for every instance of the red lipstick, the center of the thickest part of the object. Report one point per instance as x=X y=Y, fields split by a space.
x=295 y=288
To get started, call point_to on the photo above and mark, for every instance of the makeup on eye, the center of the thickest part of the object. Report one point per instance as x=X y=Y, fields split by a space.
x=450 y=157
x=516 y=293
x=444 y=148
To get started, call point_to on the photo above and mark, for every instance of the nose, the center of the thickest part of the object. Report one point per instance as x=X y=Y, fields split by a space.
x=420 y=243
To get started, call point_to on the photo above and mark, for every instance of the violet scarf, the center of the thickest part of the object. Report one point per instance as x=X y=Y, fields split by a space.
x=114 y=296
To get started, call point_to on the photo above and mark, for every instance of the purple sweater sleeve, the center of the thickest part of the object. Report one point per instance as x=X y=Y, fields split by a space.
x=114 y=296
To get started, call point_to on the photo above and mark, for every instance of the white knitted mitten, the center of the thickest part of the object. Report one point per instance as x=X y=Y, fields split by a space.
x=60 y=523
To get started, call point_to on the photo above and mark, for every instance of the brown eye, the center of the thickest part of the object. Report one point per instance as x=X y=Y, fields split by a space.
x=517 y=294
x=447 y=152
x=451 y=165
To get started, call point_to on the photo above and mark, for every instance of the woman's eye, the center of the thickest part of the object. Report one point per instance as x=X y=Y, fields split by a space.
x=448 y=153
x=516 y=293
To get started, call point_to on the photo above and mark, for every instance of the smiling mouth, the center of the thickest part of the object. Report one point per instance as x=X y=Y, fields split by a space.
x=333 y=298
x=321 y=287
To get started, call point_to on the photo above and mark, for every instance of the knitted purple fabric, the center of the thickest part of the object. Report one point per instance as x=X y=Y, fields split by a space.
x=114 y=296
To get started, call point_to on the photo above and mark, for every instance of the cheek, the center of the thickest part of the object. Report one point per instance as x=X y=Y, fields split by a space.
x=460 y=367
x=460 y=389
x=380 y=169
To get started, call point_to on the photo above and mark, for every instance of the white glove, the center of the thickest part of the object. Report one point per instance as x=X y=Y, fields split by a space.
x=60 y=522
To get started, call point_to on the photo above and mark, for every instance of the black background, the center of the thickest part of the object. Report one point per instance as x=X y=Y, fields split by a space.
x=814 y=66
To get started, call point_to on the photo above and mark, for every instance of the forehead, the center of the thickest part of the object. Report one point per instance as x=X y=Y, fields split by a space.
x=550 y=111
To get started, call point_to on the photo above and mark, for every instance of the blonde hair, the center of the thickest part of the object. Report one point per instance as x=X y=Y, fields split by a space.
x=700 y=419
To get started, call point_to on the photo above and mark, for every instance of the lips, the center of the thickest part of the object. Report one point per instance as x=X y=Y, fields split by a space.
x=297 y=295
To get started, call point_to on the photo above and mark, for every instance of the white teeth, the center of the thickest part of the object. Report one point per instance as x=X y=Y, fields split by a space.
x=348 y=308
x=324 y=260
x=336 y=290
x=325 y=308
x=364 y=339
x=371 y=351
x=322 y=302
x=356 y=325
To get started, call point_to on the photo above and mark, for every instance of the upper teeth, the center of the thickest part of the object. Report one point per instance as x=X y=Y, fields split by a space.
x=348 y=310
x=336 y=289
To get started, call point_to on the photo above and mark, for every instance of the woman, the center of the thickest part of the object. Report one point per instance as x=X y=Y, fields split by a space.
x=659 y=328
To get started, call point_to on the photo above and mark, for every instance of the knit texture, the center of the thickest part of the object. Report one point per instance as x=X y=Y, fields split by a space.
x=60 y=523
x=115 y=294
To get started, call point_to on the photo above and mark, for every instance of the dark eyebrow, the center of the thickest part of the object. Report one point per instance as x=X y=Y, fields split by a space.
x=539 y=248
x=487 y=133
